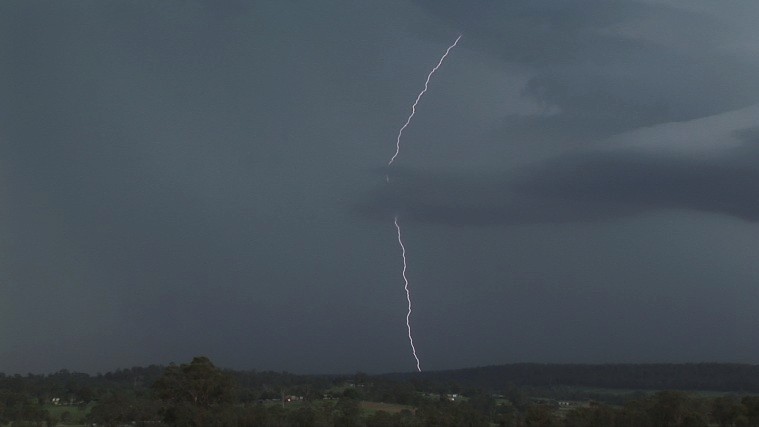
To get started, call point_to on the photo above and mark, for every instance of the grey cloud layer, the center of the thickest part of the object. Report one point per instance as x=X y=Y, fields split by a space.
x=181 y=178
x=604 y=78
x=603 y=69
x=588 y=185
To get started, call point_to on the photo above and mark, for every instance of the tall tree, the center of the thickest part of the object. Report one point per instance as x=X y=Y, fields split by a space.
x=192 y=392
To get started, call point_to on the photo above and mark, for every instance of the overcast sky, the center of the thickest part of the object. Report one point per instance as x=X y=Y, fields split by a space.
x=183 y=178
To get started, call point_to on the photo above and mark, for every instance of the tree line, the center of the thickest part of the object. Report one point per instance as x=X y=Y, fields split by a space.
x=200 y=394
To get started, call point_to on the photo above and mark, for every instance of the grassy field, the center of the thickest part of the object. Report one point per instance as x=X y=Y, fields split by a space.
x=76 y=415
x=393 y=408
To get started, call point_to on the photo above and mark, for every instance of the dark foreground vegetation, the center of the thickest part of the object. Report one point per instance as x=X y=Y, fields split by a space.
x=200 y=394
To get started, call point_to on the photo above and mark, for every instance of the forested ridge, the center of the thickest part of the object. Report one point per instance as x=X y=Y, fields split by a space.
x=658 y=376
x=198 y=394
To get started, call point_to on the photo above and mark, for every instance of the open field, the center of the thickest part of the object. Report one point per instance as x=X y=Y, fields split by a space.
x=393 y=408
x=75 y=415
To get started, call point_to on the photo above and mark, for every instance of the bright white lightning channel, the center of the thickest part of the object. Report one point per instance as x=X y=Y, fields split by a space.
x=387 y=178
x=418 y=97
x=408 y=295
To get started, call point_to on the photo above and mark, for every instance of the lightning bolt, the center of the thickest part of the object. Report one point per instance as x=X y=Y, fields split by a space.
x=418 y=97
x=408 y=295
x=387 y=178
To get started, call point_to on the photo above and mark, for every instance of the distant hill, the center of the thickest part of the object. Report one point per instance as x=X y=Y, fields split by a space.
x=691 y=376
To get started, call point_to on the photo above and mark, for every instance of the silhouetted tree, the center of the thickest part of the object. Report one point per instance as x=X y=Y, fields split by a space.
x=191 y=392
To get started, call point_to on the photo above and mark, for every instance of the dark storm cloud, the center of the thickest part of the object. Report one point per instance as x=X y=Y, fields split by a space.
x=475 y=200
x=600 y=69
x=725 y=183
x=177 y=178
x=600 y=77
x=149 y=155
x=590 y=185
x=541 y=32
